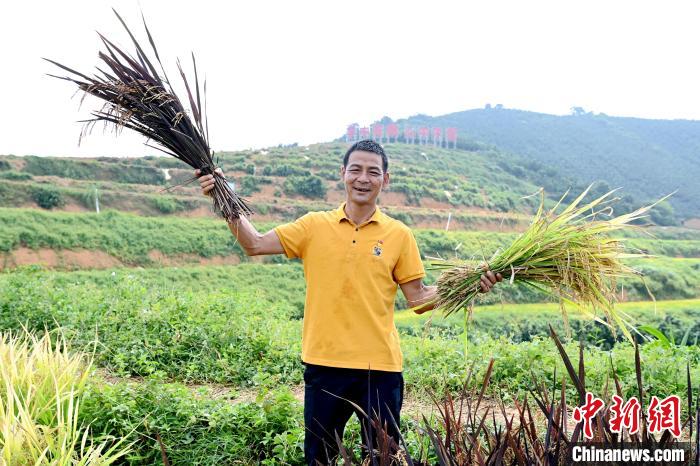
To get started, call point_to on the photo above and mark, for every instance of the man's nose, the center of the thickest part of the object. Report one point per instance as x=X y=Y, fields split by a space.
x=364 y=177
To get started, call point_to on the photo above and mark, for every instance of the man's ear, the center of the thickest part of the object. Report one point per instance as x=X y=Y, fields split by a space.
x=342 y=172
x=386 y=181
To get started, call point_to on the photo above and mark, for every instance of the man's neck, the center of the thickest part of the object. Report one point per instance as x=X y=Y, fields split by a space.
x=359 y=214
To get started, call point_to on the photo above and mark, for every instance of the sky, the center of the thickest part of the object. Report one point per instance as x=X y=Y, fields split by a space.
x=300 y=71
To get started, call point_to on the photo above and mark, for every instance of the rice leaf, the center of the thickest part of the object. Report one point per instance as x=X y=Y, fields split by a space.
x=568 y=254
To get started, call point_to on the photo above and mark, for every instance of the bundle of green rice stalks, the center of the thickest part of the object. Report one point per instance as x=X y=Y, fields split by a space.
x=570 y=255
x=137 y=97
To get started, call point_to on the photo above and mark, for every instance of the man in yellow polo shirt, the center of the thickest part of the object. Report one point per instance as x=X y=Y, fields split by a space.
x=355 y=257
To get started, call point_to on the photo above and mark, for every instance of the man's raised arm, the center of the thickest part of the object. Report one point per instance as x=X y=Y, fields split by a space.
x=253 y=242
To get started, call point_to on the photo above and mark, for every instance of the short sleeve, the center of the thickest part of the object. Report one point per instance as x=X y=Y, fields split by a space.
x=409 y=266
x=294 y=236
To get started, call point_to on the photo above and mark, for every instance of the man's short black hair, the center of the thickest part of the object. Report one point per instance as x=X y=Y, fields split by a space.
x=367 y=145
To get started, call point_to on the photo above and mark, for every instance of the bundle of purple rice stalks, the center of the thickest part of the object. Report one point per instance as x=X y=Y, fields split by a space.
x=138 y=97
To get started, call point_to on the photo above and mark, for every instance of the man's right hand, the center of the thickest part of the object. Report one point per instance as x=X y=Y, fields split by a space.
x=206 y=182
x=252 y=242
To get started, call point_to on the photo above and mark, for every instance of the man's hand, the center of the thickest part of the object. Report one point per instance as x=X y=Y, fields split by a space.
x=489 y=280
x=206 y=182
x=252 y=242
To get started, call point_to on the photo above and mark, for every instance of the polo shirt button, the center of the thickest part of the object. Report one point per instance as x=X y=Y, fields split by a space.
x=357 y=229
x=353 y=241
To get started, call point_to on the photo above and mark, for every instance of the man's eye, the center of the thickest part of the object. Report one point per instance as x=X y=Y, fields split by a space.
x=374 y=173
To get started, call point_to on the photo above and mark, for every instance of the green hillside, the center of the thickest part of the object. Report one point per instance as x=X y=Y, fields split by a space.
x=648 y=158
x=113 y=239
x=427 y=184
x=477 y=189
x=196 y=346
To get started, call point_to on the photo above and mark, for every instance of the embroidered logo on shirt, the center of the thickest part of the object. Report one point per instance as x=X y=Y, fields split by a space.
x=377 y=248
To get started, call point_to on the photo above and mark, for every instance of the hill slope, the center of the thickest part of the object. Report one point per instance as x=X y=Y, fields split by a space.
x=648 y=158
x=427 y=184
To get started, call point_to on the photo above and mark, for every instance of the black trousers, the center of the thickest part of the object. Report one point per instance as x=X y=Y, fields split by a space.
x=327 y=410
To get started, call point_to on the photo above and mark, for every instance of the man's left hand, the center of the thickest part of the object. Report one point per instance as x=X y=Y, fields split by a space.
x=489 y=280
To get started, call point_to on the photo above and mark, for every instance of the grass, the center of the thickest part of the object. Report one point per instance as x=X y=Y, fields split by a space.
x=196 y=428
x=174 y=326
x=252 y=338
x=678 y=320
x=41 y=391
x=130 y=239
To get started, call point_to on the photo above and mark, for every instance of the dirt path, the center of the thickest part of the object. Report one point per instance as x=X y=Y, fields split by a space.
x=414 y=407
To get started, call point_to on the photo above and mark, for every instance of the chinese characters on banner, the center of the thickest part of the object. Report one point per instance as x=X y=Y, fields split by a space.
x=351 y=133
x=660 y=415
x=409 y=135
x=451 y=135
x=423 y=132
x=378 y=132
x=392 y=132
x=437 y=136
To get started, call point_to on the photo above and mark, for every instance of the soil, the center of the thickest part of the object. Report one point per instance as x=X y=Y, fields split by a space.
x=67 y=259
x=202 y=211
x=59 y=259
x=17 y=164
x=692 y=223
x=267 y=191
x=72 y=207
x=190 y=259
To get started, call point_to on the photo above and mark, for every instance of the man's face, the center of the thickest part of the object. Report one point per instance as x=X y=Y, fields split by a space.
x=363 y=177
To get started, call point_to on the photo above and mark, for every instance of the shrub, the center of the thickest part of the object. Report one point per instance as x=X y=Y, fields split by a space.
x=88 y=197
x=197 y=429
x=287 y=170
x=14 y=175
x=328 y=174
x=166 y=205
x=413 y=192
x=248 y=185
x=310 y=186
x=122 y=171
x=5 y=165
x=403 y=217
x=47 y=197
x=663 y=214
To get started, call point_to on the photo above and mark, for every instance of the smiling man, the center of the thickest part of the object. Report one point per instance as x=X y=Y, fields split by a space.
x=355 y=257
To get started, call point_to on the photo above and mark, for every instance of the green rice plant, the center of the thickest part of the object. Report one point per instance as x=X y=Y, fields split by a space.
x=569 y=255
x=41 y=386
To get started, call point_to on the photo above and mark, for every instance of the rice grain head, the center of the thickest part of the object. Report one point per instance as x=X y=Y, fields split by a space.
x=570 y=255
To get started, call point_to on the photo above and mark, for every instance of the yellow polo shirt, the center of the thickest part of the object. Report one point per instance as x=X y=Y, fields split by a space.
x=352 y=273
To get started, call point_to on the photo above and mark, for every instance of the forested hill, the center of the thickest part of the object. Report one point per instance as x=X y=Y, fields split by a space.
x=648 y=158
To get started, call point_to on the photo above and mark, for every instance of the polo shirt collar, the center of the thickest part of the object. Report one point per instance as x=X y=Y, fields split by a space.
x=340 y=215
